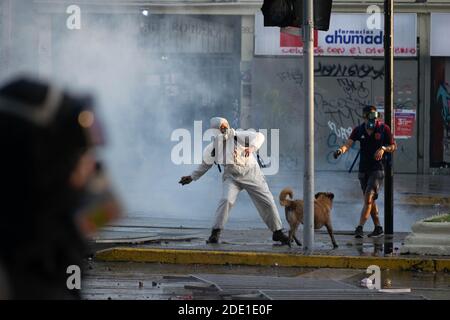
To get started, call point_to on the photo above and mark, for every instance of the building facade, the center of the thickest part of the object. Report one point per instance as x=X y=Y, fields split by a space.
x=254 y=75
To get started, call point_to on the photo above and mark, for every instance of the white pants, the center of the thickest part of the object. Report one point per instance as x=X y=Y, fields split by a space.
x=254 y=183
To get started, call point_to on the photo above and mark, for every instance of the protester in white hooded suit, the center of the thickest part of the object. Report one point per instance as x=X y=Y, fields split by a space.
x=234 y=151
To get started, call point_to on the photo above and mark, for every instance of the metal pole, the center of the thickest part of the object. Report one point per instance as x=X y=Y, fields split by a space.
x=308 y=178
x=388 y=109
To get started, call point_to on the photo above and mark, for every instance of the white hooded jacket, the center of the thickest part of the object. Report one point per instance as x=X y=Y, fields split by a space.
x=229 y=153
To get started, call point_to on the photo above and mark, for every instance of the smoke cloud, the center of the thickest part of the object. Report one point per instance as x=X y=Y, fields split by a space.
x=149 y=77
x=152 y=74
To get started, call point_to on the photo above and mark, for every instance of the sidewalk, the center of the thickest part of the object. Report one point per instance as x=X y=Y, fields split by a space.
x=254 y=247
x=415 y=197
x=159 y=236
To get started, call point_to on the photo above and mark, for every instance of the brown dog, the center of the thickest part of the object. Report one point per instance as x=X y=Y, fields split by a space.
x=294 y=212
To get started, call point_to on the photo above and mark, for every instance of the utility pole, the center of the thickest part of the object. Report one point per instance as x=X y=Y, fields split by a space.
x=300 y=13
x=388 y=109
x=308 y=178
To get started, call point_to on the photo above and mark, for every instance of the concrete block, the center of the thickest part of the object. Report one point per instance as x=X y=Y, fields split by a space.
x=428 y=238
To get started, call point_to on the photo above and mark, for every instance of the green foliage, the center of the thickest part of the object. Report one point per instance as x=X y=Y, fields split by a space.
x=441 y=218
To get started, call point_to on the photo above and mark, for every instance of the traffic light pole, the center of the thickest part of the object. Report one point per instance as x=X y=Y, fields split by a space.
x=308 y=178
x=388 y=108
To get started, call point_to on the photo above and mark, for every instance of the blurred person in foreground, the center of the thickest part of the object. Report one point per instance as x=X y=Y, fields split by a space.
x=55 y=194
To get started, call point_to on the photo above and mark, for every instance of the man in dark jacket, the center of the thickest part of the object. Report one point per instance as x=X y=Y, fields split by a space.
x=375 y=140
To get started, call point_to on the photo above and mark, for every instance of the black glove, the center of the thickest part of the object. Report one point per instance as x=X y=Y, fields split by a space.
x=185 y=180
x=337 y=153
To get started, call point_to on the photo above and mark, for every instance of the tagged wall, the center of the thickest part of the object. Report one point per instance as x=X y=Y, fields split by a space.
x=343 y=86
x=440 y=113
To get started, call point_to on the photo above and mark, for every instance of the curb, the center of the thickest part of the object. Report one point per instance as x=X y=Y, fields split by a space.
x=424 y=200
x=174 y=256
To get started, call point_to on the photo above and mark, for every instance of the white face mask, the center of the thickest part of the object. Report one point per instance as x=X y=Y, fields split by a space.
x=226 y=133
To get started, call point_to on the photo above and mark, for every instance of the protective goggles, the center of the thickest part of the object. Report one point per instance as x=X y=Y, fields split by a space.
x=373 y=115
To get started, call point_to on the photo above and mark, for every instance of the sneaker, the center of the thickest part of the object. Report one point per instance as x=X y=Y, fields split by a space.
x=214 y=237
x=359 y=232
x=280 y=236
x=377 y=232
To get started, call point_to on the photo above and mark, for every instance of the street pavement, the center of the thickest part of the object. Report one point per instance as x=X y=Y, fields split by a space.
x=156 y=281
x=416 y=197
x=153 y=281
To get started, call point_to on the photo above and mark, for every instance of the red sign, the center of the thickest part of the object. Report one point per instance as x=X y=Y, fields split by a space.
x=404 y=124
x=290 y=37
x=404 y=120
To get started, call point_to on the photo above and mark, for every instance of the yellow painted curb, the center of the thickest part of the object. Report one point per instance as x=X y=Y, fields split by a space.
x=175 y=256
x=425 y=200
x=442 y=265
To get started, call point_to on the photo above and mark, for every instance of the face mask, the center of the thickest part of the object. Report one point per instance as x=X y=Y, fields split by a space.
x=98 y=205
x=225 y=132
x=372 y=117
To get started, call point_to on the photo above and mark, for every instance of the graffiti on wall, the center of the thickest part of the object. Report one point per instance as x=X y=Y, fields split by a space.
x=443 y=97
x=342 y=88
x=354 y=70
x=440 y=113
x=343 y=107
x=342 y=91
x=333 y=142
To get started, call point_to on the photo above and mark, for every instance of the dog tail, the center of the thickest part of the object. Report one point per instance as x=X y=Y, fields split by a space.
x=283 y=200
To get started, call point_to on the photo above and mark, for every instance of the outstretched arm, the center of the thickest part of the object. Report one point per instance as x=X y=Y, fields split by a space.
x=201 y=170
x=206 y=164
x=196 y=174
x=343 y=149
